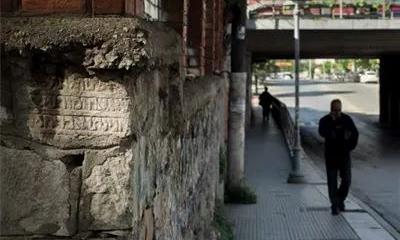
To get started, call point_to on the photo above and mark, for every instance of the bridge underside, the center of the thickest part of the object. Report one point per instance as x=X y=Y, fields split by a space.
x=278 y=44
x=382 y=44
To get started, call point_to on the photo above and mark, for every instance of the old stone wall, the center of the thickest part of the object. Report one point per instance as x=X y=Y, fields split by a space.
x=100 y=134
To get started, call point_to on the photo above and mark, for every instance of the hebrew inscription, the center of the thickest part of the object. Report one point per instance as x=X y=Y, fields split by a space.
x=80 y=106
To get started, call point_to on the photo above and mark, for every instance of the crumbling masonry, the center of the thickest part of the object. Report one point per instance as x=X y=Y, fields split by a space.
x=101 y=135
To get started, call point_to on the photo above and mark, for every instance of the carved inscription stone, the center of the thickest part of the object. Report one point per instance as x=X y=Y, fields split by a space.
x=79 y=111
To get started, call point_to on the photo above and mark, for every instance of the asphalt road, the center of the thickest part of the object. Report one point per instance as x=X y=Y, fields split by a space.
x=376 y=160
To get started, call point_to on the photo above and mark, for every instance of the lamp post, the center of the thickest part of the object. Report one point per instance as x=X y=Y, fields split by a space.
x=341 y=9
x=296 y=176
x=383 y=9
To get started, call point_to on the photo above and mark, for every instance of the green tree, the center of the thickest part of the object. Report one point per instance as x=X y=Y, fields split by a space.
x=328 y=66
x=259 y=70
x=342 y=65
x=367 y=64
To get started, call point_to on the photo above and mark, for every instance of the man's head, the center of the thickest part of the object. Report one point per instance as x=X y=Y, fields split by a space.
x=336 y=108
x=266 y=89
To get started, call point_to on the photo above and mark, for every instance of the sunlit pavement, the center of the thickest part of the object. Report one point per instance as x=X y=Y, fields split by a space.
x=376 y=161
x=292 y=211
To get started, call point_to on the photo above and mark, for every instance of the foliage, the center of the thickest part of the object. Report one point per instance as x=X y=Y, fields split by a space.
x=360 y=3
x=328 y=3
x=261 y=70
x=242 y=194
x=328 y=66
x=224 y=228
x=320 y=3
x=367 y=64
x=343 y=65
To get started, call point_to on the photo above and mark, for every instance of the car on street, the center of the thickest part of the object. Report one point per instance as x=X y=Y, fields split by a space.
x=338 y=76
x=285 y=75
x=351 y=77
x=369 y=77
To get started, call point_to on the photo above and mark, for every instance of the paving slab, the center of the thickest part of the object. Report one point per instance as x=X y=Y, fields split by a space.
x=291 y=211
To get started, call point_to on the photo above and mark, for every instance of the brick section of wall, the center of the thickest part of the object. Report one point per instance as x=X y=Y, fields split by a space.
x=210 y=35
x=8 y=6
x=199 y=22
x=83 y=7
x=203 y=36
x=53 y=6
x=205 y=33
x=175 y=15
x=220 y=29
x=185 y=24
x=134 y=7
x=194 y=23
x=109 y=7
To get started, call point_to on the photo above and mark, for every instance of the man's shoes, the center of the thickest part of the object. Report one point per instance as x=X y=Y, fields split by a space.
x=334 y=210
x=341 y=207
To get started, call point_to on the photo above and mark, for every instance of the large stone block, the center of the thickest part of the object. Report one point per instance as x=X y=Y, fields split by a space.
x=72 y=111
x=36 y=197
x=106 y=94
x=106 y=200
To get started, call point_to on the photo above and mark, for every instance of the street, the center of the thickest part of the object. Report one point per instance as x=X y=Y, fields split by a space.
x=376 y=160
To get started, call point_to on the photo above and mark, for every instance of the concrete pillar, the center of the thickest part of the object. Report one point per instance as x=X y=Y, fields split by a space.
x=390 y=91
x=237 y=96
x=249 y=93
x=237 y=128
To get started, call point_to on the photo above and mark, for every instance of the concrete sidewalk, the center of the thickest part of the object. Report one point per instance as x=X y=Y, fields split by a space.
x=292 y=211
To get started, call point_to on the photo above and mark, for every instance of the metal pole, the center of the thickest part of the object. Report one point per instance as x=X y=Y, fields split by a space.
x=295 y=175
x=341 y=9
x=237 y=97
x=383 y=9
x=391 y=12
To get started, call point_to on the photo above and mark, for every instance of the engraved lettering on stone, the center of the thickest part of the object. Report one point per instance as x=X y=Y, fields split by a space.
x=82 y=106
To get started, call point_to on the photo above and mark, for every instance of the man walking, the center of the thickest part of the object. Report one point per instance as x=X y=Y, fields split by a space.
x=341 y=137
x=265 y=101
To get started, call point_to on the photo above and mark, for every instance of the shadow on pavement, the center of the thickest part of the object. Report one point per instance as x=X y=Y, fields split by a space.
x=312 y=93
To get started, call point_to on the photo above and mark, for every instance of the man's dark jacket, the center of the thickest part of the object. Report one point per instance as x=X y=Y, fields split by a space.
x=341 y=135
x=265 y=99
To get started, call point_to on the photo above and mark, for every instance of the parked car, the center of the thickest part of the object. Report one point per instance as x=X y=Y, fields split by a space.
x=351 y=77
x=338 y=76
x=369 y=76
x=285 y=76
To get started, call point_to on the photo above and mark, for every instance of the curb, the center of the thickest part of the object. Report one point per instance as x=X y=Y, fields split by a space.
x=373 y=228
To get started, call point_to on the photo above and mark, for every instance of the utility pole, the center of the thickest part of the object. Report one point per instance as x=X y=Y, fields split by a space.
x=383 y=9
x=256 y=82
x=341 y=9
x=295 y=176
x=237 y=95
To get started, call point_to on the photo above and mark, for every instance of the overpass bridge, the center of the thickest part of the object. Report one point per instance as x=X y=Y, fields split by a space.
x=324 y=38
x=272 y=38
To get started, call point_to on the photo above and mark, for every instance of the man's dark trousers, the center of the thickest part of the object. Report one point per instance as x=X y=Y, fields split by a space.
x=338 y=165
x=266 y=110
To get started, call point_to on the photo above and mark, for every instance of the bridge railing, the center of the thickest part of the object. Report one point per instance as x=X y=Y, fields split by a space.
x=336 y=11
x=285 y=122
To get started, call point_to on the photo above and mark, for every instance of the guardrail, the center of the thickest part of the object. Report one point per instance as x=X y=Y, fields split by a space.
x=351 y=11
x=285 y=122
